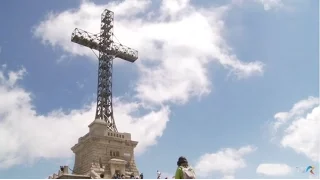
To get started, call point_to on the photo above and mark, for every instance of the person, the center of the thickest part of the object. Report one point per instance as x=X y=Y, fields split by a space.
x=116 y=176
x=184 y=171
x=132 y=176
x=158 y=174
x=141 y=176
x=101 y=175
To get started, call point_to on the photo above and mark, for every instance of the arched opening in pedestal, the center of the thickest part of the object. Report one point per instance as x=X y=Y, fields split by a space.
x=117 y=166
x=117 y=171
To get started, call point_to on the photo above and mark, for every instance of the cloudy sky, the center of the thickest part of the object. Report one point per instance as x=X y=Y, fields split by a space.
x=232 y=85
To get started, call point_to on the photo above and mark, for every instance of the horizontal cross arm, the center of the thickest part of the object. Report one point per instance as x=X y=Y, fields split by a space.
x=93 y=41
x=86 y=39
x=124 y=52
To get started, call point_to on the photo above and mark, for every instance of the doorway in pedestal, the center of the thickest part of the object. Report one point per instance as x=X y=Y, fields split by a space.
x=117 y=166
x=117 y=172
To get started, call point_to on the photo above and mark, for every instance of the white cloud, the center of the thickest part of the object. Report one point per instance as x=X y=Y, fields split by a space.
x=27 y=135
x=301 y=133
x=274 y=169
x=80 y=84
x=178 y=50
x=172 y=8
x=12 y=77
x=313 y=176
x=298 y=110
x=62 y=58
x=178 y=40
x=228 y=177
x=271 y=4
x=226 y=161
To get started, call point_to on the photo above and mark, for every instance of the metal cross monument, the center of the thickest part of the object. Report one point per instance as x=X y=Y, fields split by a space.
x=108 y=50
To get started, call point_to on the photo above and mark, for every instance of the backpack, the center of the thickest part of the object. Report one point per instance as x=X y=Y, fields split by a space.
x=188 y=173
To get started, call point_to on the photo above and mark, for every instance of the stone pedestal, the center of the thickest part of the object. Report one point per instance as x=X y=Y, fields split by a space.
x=101 y=154
x=114 y=151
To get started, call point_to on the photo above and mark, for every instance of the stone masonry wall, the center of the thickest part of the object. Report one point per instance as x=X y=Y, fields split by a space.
x=93 y=148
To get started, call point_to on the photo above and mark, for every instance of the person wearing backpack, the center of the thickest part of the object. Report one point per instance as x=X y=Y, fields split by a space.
x=184 y=171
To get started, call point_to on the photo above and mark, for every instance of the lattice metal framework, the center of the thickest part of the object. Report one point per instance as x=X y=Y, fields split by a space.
x=108 y=50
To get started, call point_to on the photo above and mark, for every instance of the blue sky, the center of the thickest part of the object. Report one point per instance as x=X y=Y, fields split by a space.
x=210 y=92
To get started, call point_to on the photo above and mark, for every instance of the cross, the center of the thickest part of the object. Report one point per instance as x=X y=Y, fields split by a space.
x=108 y=50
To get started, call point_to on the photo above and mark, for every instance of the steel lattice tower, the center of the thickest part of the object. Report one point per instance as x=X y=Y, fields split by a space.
x=108 y=50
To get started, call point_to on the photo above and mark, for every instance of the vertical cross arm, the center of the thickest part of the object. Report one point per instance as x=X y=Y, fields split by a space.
x=108 y=45
x=104 y=94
